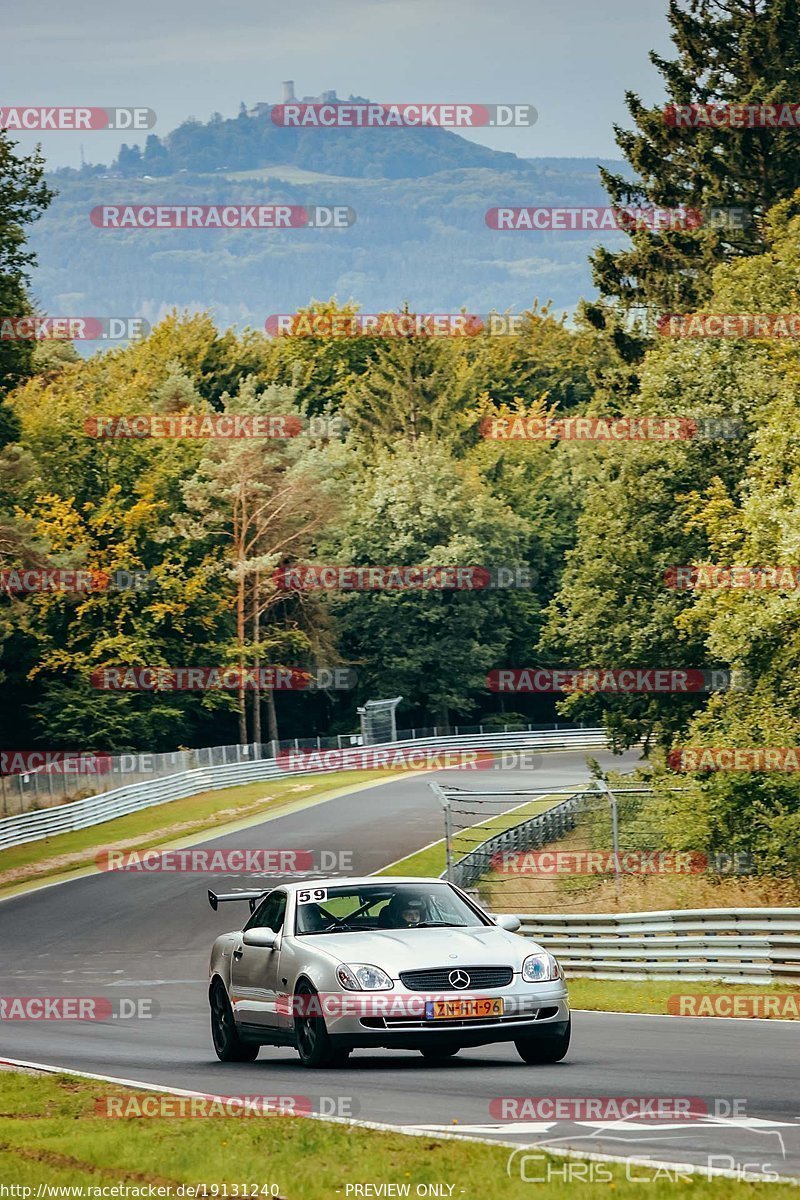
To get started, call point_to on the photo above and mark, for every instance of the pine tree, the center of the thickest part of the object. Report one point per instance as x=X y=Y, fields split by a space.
x=729 y=52
x=23 y=198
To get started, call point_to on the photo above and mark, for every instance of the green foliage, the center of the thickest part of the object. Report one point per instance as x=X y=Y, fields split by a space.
x=23 y=198
x=728 y=52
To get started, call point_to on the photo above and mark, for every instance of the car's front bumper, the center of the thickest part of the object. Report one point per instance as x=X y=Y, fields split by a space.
x=398 y=1018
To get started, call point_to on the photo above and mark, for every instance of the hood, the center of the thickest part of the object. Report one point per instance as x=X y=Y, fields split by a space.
x=396 y=950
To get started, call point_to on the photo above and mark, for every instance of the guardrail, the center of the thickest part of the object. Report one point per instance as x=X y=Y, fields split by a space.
x=79 y=814
x=745 y=945
x=76 y=776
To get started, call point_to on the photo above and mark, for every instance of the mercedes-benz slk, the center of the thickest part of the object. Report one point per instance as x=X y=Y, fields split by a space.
x=336 y=965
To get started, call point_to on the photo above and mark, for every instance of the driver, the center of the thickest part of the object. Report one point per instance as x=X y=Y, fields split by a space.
x=406 y=910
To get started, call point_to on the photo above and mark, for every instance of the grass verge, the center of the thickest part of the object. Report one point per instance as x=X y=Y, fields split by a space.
x=165 y=823
x=51 y=1134
x=652 y=995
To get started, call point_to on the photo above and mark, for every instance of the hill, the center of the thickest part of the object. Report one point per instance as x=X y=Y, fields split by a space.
x=420 y=196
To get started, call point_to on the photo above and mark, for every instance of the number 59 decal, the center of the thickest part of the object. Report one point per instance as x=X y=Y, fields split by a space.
x=312 y=896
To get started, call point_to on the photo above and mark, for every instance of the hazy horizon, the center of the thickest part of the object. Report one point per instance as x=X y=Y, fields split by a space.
x=184 y=61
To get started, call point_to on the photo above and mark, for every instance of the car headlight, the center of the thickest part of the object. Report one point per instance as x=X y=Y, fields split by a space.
x=541 y=968
x=361 y=977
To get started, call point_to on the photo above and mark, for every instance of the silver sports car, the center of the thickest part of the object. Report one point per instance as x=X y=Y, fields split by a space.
x=400 y=963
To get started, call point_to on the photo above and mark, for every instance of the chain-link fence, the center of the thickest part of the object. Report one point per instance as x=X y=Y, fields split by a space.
x=540 y=851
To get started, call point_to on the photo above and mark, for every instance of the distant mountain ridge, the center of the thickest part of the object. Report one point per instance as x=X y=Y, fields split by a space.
x=420 y=196
x=251 y=140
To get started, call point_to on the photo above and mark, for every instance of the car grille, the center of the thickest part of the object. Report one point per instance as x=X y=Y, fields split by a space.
x=438 y=978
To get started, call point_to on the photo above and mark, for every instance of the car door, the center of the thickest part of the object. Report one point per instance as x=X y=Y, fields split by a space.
x=254 y=969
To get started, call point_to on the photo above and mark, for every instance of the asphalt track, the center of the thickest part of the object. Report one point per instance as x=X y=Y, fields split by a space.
x=147 y=937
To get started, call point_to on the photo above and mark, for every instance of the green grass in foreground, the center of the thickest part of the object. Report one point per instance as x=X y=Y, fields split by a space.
x=652 y=995
x=152 y=827
x=50 y=1134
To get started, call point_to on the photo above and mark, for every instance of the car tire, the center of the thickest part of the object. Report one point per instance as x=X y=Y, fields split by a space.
x=228 y=1046
x=541 y=1050
x=439 y=1053
x=314 y=1044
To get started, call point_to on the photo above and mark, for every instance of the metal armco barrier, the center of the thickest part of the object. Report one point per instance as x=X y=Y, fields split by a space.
x=79 y=814
x=744 y=945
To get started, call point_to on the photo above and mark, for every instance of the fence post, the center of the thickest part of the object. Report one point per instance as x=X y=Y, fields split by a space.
x=448 y=839
x=612 y=800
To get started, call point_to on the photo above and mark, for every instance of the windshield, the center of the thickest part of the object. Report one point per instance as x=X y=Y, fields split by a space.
x=382 y=906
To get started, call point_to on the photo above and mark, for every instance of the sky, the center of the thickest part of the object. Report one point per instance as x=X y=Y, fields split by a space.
x=572 y=60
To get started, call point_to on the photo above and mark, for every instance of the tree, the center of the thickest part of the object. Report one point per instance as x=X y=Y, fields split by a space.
x=320 y=369
x=24 y=196
x=129 y=160
x=416 y=505
x=259 y=502
x=651 y=506
x=414 y=388
x=101 y=504
x=729 y=51
x=155 y=160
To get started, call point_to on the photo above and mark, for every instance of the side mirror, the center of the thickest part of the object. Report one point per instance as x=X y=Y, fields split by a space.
x=266 y=938
x=508 y=922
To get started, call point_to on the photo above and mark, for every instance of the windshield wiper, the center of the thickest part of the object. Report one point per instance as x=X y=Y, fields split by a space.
x=436 y=924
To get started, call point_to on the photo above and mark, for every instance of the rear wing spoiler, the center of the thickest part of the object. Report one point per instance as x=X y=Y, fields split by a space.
x=252 y=897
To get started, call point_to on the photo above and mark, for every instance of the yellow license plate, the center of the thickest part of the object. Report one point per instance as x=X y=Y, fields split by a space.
x=477 y=1009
